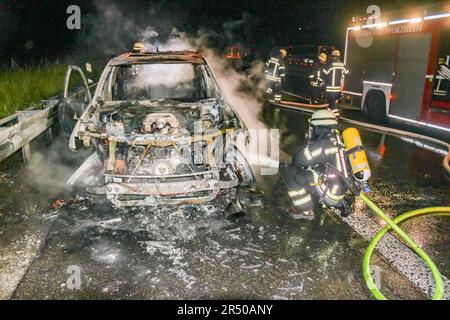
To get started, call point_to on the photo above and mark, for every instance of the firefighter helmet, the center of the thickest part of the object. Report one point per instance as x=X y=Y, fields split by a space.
x=283 y=52
x=323 y=118
x=441 y=60
x=336 y=53
x=323 y=57
x=139 y=47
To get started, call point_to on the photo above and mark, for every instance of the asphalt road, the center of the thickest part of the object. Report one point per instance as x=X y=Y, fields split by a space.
x=193 y=252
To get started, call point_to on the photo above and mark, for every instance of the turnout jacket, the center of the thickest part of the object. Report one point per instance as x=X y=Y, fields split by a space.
x=316 y=76
x=329 y=184
x=275 y=69
x=334 y=74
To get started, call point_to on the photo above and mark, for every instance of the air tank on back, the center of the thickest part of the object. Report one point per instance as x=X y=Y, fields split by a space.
x=356 y=154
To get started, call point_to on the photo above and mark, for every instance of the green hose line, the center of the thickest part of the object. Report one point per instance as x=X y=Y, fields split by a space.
x=392 y=224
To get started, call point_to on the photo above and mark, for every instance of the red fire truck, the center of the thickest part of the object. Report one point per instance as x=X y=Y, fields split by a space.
x=399 y=70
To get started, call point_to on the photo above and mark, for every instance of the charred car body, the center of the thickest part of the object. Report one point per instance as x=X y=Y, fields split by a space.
x=162 y=133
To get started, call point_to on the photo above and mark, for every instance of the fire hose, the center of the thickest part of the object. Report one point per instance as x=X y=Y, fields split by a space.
x=393 y=224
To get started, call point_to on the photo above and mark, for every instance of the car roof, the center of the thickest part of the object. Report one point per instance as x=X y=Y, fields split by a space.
x=159 y=57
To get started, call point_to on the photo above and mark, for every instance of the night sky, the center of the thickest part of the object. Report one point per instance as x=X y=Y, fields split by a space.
x=34 y=30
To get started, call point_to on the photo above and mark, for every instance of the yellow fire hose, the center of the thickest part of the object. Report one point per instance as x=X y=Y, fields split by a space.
x=393 y=224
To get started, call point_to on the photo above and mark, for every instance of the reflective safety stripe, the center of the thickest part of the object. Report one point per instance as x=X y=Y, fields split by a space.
x=331 y=150
x=334 y=189
x=268 y=77
x=315 y=176
x=297 y=193
x=333 y=196
x=338 y=162
x=307 y=154
x=315 y=153
x=343 y=168
x=301 y=201
x=338 y=89
x=320 y=187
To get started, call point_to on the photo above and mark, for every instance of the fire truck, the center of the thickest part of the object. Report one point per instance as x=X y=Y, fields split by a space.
x=237 y=56
x=399 y=70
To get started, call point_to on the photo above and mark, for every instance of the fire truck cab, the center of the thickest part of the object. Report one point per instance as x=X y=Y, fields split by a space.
x=399 y=70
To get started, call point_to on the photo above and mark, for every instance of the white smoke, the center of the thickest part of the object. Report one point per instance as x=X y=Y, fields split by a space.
x=243 y=91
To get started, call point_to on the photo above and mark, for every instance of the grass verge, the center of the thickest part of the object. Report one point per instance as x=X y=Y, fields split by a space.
x=22 y=88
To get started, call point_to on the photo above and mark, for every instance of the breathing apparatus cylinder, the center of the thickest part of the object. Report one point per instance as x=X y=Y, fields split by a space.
x=356 y=154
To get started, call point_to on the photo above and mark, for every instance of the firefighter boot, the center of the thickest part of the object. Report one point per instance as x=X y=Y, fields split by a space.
x=298 y=214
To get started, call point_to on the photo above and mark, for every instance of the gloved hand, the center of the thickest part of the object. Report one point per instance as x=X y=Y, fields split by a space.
x=353 y=186
x=348 y=205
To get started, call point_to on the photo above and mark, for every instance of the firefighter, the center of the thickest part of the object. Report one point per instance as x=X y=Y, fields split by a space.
x=275 y=74
x=316 y=77
x=318 y=174
x=441 y=88
x=334 y=74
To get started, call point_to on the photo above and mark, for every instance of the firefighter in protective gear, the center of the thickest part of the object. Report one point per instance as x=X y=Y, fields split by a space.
x=275 y=74
x=316 y=77
x=319 y=171
x=334 y=74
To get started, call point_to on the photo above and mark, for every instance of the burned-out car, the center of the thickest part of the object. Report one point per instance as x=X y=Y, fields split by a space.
x=161 y=130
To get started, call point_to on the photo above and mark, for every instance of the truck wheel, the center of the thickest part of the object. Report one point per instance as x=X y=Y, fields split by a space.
x=375 y=106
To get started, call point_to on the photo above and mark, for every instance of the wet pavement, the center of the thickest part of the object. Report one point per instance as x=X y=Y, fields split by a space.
x=193 y=252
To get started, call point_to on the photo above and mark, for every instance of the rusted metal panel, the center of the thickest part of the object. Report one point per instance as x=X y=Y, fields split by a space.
x=163 y=57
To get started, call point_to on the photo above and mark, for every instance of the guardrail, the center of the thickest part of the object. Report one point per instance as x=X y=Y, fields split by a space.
x=18 y=130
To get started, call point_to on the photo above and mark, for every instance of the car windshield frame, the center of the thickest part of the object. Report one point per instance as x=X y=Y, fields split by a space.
x=202 y=73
